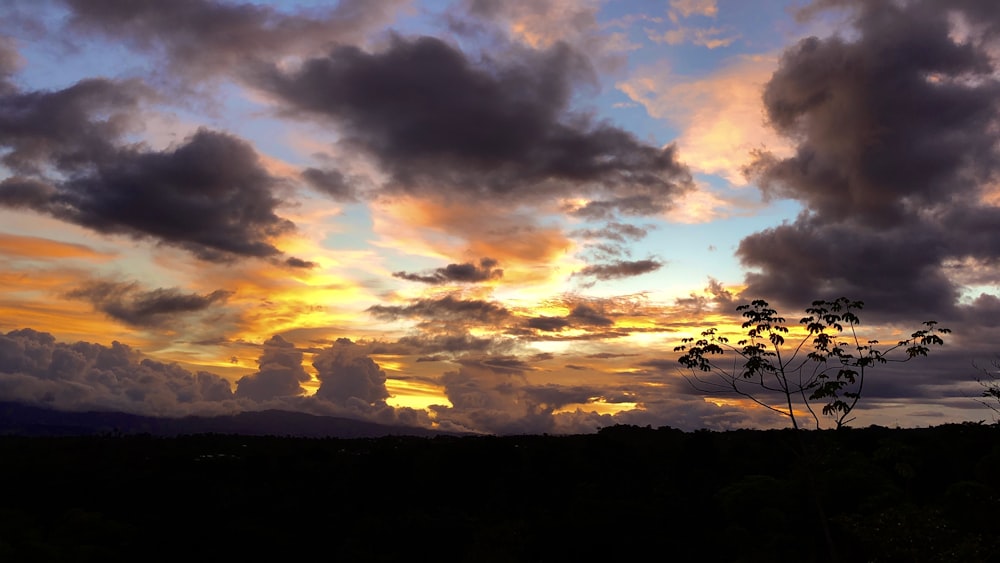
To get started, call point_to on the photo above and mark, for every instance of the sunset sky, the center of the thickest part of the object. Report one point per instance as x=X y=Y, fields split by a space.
x=485 y=215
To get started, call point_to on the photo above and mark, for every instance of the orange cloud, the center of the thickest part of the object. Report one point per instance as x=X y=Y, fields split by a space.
x=38 y=247
x=448 y=231
x=721 y=115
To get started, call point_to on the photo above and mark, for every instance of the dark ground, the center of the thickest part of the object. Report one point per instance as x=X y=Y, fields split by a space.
x=887 y=495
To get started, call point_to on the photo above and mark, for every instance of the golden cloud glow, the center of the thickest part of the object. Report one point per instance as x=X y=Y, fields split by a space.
x=598 y=405
x=415 y=394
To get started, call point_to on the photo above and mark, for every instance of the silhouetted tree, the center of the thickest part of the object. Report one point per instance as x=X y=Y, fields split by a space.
x=827 y=365
x=991 y=386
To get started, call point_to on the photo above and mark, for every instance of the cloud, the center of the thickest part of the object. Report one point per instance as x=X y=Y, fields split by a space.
x=128 y=303
x=280 y=373
x=621 y=269
x=896 y=150
x=582 y=316
x=30 y=247
x=614 y=231
x=461 y=273
x=608 y=355
x=487 y=398
x=711 y=37
x=37 y=369
x=688 y=8
x=330 y=182
x=453 y=343
x=347 y=375
x=10 y=62
x=474 y=130
x=548 y=324
x=540 y=24
x=721 y=116
x=209 y=195
x=530 y=249
x=447 y=308
x=588 y=316
x=202 y=38
x=71 y=129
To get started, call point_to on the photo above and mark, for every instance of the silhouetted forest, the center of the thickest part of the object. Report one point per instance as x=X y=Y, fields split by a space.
x=886 y=495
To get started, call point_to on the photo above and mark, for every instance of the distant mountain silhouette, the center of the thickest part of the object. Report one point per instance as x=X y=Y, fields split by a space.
x=26 y=420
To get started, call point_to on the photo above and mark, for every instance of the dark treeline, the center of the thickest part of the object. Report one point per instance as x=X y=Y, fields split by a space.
x=887 y=494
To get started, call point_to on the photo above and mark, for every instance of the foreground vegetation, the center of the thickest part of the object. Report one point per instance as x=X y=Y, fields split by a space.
x=889 y=495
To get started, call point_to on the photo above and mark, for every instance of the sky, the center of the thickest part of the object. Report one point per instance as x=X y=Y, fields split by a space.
x=487 y=216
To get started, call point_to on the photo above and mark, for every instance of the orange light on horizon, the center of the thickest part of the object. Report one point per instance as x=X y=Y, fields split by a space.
x=417 y=395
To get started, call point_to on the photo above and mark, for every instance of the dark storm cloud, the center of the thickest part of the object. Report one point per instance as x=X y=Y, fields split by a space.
x=437 y=120
x=129 y=303
x=71 y=129
x=897 y=136
x=444 y=308
x=204 y=37
x=37 y=369
x=279 y=375
x=210 y=195
x=620 y=269
x=331 y=182
x=461 y=273
x=348 y=376
x=893 y=269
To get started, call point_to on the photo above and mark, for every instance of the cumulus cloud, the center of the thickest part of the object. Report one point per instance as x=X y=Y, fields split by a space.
x=128 y=302
x=478 y=129
x=458 y=273
x=347 y=375
x=37 y=369
x=487 y=398
x=896 y=135
x=280 y=373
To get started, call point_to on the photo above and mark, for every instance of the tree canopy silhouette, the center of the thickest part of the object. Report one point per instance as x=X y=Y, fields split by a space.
x=826 y=366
